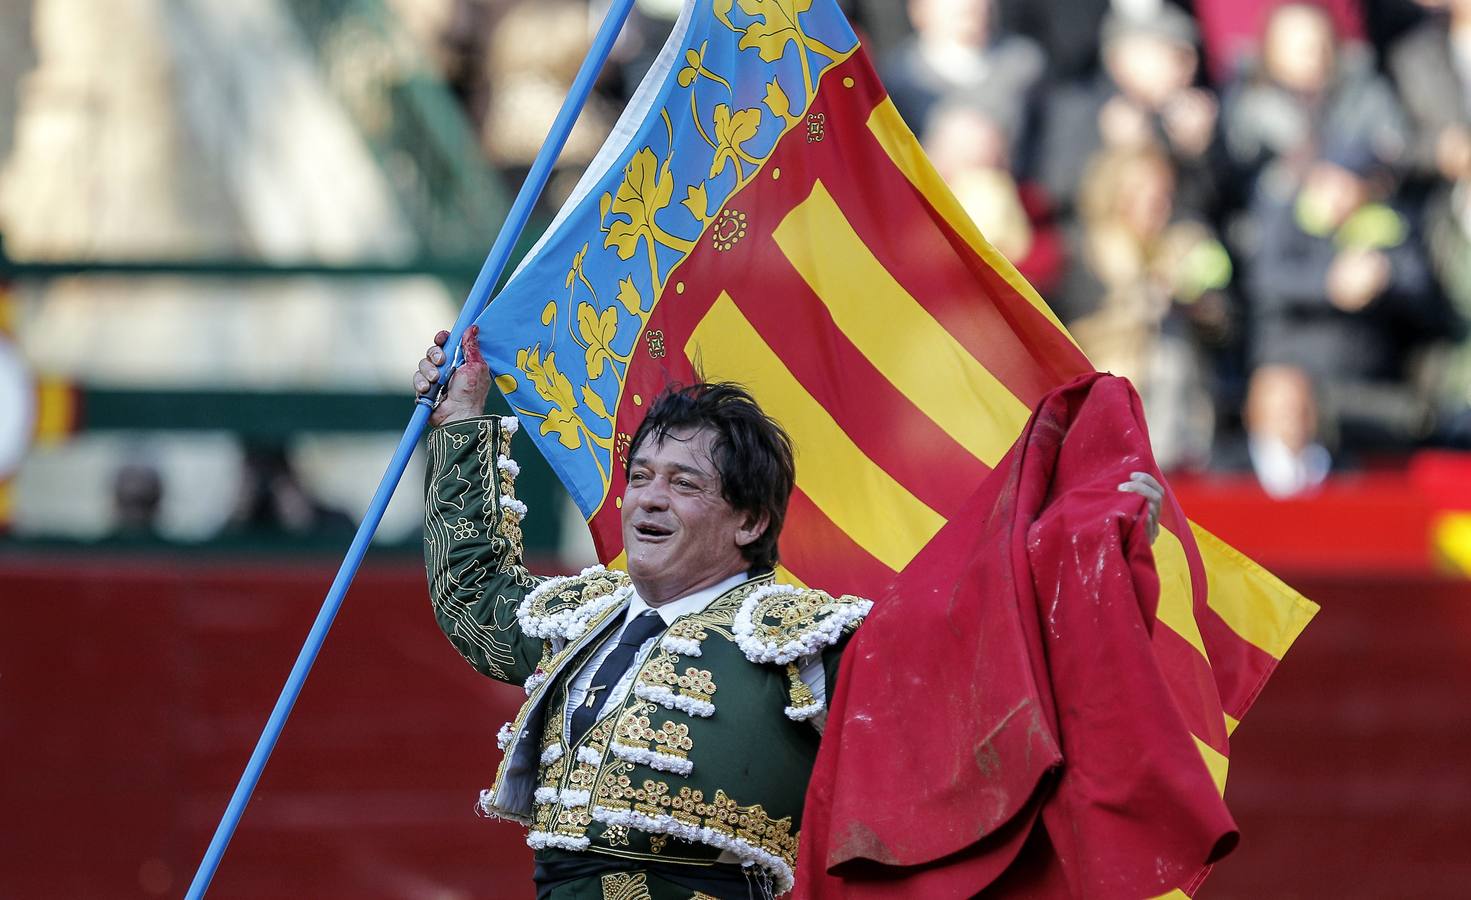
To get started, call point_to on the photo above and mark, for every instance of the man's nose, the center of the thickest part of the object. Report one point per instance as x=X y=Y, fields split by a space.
x=655 y=494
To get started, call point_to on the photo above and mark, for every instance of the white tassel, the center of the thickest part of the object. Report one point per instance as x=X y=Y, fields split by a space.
x=540 y=840
x=662 y=762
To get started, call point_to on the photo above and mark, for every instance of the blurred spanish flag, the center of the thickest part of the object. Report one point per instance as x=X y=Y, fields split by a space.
x=761 y=214
x=33 y=411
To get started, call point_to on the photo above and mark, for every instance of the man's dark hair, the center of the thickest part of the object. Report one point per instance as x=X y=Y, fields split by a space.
x=751 y=452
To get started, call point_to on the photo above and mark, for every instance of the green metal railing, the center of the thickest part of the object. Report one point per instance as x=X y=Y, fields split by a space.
x=452 y=198
x=411 y=121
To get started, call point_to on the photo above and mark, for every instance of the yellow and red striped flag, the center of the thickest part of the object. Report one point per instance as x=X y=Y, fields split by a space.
x=761 y=214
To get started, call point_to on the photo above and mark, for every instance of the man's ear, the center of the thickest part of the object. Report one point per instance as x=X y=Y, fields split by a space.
x=752 y=528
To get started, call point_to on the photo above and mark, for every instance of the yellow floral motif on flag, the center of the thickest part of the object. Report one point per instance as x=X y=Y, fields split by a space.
x=700 y=143
x=647 y=188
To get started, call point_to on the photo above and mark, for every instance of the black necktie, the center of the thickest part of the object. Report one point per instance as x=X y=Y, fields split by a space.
x=644 y=626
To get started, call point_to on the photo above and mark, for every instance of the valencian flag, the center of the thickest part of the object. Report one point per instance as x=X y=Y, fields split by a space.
x=761 y=214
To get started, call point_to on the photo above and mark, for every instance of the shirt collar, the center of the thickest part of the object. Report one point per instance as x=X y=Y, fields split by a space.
x=690 y=603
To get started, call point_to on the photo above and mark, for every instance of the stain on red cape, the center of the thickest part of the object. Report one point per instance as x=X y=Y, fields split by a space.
x=1000 y=724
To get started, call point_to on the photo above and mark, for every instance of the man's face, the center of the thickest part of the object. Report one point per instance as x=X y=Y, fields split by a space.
x=1300 y=48
x=680 y=532
x=959 y=141
x=1150 y=69
x=1147 y=196
x=1280 y=404
x=966 y=23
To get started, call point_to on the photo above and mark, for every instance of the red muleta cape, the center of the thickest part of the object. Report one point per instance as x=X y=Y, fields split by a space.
x=1000 y=723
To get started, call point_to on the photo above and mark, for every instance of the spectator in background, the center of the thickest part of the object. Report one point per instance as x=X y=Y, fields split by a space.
x=1448 y=239
x=459 y=51
x=534 y=52
x=272 y=501
x=137 y=496
x=1341 y=290
x=957 y=52
x=1432 y=66
x=1145 y=95
x=638 y=44
x=1281 y=420
x=1066 y=30
x=969 y=146
x=1231 y=30
x=1309 y=92
x=1146 y=293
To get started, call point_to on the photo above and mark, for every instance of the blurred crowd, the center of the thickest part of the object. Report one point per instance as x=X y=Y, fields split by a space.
x=1257 y=211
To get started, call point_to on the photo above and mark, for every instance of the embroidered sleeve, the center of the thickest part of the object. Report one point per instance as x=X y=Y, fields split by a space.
x=472 y=547
x=780 y=623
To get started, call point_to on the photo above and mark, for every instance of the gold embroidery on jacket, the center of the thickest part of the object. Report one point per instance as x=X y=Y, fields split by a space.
x=568 y=772
x=688 y=806
x=502 y=485
x=688 y=629
x=550 y=774
x=583 y=776
x=551 y=732
x=635 y=731
x=576 y=592
x=626 y=886
x=801 y=695
x=633 y=726
x=573 y=820
x=790 y=615
x=659 y=671
x=719 y=616
x=616 y=835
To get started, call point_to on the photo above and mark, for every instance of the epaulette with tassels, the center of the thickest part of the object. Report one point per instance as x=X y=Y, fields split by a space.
x=562 y=608
x=780 y=623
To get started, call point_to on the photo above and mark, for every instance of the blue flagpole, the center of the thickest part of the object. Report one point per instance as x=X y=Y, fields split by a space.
x=485 y=282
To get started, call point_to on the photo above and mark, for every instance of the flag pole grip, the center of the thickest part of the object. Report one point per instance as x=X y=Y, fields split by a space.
x=479 y=297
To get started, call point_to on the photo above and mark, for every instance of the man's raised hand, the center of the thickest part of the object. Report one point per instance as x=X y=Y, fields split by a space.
x=1145 y=485
x=469 y=384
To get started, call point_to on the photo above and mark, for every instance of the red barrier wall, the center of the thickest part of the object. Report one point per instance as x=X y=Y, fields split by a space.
x=1351 y=777
x=131 y=693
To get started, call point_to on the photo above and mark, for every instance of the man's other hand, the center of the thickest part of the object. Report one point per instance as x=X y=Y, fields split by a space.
x=1145 y=485
x=469 y=384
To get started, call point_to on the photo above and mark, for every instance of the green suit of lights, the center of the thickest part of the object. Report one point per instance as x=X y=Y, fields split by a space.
x=710 y=751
